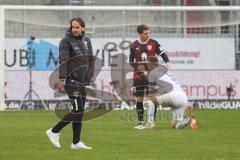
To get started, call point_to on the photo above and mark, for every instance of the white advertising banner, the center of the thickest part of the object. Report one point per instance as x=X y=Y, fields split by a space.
x=204 y=67
x=196 y=84
x=200 y=53
x=209 y=84
x=184 y=53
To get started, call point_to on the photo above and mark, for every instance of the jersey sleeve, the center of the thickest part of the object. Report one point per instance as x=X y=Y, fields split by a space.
x=159 y=49
x=161 y=52
x=64 y=54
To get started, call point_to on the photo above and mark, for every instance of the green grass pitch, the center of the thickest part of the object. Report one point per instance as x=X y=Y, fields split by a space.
x=22 y=137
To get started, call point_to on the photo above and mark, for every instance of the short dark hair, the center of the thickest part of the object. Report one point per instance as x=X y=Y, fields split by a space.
x=141 y=28
x=79 y=20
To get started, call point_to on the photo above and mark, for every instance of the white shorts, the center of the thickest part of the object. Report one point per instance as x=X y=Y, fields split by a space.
x=177 y=100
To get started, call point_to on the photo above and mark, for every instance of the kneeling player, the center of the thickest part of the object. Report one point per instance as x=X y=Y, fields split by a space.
x=165 y=90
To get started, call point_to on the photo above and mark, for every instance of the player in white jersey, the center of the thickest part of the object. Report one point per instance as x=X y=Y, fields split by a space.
x=165 y=90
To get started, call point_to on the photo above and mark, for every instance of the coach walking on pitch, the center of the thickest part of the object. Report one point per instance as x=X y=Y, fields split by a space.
x=76 y=67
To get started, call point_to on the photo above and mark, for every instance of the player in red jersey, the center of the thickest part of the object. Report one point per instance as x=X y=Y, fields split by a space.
x=140 y=50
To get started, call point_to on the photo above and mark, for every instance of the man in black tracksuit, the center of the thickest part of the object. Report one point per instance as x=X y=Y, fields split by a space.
x=76 y=67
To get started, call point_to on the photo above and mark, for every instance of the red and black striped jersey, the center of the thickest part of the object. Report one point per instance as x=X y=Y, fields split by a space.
x=139 y=53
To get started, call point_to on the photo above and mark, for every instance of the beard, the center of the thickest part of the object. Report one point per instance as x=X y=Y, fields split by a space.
x=76 y=33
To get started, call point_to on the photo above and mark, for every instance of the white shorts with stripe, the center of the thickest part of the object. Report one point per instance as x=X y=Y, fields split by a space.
x=177 y=100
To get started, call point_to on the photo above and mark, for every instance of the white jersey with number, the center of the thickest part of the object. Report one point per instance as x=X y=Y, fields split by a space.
x=171 y=79
x=169 y=90
x=164 y=80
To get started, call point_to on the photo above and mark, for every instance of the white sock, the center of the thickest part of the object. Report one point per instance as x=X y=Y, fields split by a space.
x=150 y=113
x=182 y=124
